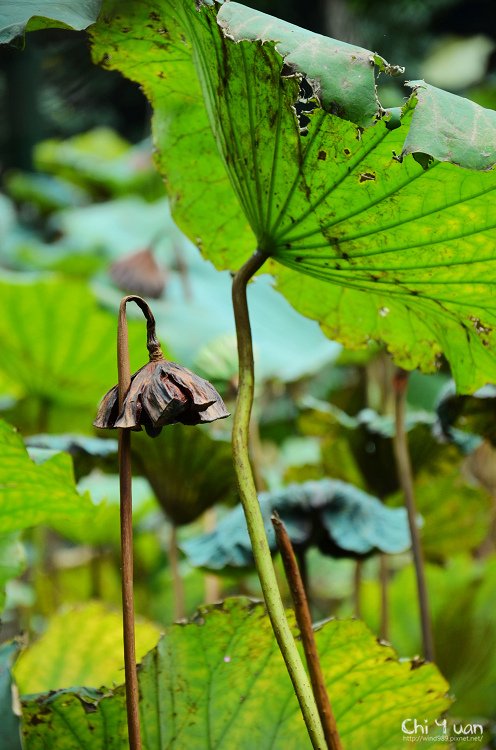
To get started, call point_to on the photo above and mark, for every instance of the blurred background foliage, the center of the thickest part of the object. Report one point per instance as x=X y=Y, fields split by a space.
x=83 y=219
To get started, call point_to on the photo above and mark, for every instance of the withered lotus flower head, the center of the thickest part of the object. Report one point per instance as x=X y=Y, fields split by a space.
x=160 y=393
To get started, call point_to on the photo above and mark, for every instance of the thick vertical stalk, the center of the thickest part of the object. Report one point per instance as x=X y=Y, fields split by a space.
x=249 y=499
x=126 y=515
x=304 y=620
x=357 y=589
x=384 y=586
x=405 y=478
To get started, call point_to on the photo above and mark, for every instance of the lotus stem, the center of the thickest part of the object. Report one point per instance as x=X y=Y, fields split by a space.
x=405 y=477
x=357 y=588
x=249 y=499
x=177 y=580
x=304 y=620
x=384 y=586
x=126 y=518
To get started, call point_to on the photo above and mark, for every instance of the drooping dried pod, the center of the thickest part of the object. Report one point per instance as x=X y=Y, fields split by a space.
x=139 y=273
x=161 y=393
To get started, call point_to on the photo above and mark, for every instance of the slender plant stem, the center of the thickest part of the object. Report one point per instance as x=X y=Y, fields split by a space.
x=304 y=620
x=405 y=477
x=301 y=559
x=212 y=582
x=249 y=499
x=384 y=586
x=177 y=581
x=126 y=515
x=357 y=588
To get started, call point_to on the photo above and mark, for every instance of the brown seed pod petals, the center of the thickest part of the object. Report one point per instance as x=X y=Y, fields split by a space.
x=162 y=393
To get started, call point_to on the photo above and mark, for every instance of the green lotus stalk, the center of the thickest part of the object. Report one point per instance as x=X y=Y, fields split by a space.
x=249 y=499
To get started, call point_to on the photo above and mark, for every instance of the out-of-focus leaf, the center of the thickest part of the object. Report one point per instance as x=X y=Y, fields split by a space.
x=231 y=648
x=10 y=735
x=457 y=62
x=188 y=470
x=33 y=494
x=23 y=15
x=120 y=226
x=218 y=363
x=465 y=420
x=337 y=517
x=369 y=438
x=12 y=561
x=290 y=348
x=462 y=598
x=102 y=527
x=101 y=160
x=58 y=344
x=82 y=646
x=46 y=192
x=87 y=452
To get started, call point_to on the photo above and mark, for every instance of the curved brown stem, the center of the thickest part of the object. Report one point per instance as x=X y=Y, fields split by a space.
x=152 y=342
x=304 y=620
x=405 y=478
x=126 y=517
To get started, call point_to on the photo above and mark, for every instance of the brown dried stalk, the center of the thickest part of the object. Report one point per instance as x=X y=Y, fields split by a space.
x=126 y=515
x=304 y=620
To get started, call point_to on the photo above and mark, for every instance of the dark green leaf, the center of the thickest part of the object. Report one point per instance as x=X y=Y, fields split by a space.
x=465 y=420
x=188 y=470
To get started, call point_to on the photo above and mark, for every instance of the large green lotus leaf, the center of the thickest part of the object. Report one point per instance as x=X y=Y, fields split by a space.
x=250 y=701
x=340 y=519
x=81 y=646
x=10 y=736
x=35 y=494
x=188 y=470
x=29 y=15
x=384 y=247
x=58 y=344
